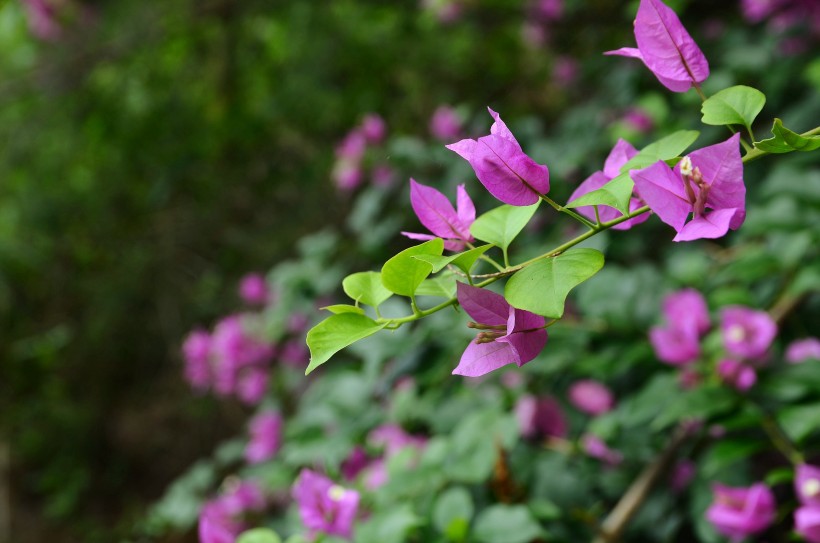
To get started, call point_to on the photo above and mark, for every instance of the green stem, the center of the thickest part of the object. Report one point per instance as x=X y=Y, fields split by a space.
x=561 y=209
x=698 y=90
x=419 y=313
x=781 y=440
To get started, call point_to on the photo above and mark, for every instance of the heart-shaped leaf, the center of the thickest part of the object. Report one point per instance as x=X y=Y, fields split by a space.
x=366 y=288
x=665 y=148
x=786 y=141
x=543 y=286
x=463 y=261
x=335 y=333
x=501 y=225
x=736 y=105
x=615 y=194
x=402 y=274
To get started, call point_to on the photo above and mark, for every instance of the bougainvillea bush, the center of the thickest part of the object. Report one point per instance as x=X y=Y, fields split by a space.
x=629 y=357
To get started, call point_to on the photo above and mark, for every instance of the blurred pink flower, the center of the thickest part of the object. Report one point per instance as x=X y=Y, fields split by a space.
x=565 y=71
x=682 y=474
x=737 y=374
x=373 y=128
x=807 y=484
x=252 y=384
x=324 y=506
x=445 y=123
x=196 y=351
x=540 y=417
x=382 y=175
x=747 y=332
x=598 y=449
x=638 y=120
x=807 y=523
x=253 y=289
x=591 y=397
x=265 y=437
x=802 y=350
x=741 y=512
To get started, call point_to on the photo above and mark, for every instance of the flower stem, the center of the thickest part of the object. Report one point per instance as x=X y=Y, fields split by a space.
x=780 y=440
x=562 y=209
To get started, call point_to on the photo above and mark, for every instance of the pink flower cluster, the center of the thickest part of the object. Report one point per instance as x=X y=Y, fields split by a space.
x=228 y=361
x=324 y=506
x=349 y=168
x=783 y=16
x=747 y=335
x=741 y=512
x=265 y=431
x=220 y=519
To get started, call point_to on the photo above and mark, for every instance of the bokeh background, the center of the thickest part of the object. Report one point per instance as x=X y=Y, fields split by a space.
x=152 y=153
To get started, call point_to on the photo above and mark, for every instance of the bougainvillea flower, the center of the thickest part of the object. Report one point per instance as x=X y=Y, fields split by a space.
x=324 y=506
x=682 y=474
x=502 y=167
x=595 y=447
x=507 y=335
x=591 y=397
x=445 y=124
x=373 y=128
x=666 y=48
x=737 y=374
x=687 y=308
x=746 y=332
x=253 y=289
x=802 y=350
x=709 y=178
x=393 y=438
x=436 y=213
x=265 y=437
x=620 y=155
x=252 y=384
x=807 y=523
x=740 y=512
x=675 y=345
x=220 y=519
x=807 y=484
x=196 y=351
x=540 y=417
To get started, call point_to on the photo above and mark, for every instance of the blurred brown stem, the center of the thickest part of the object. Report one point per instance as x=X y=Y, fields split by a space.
x=629 y=504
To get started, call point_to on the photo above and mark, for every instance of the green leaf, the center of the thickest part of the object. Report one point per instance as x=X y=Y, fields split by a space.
x=501 y=225
x=463 y=261
x=452 y=512
x=389 y=525
x=699 y=403
x=736 y=105
x=786 y=141
x=615 y=194
x=506 y=524
x=402 y=274
x=543 y=286
x=366 y=288
x=259 y=535
x=443 y=286
x=335 y=333
x=343 y=308
x=799 y=421
x=665 y=148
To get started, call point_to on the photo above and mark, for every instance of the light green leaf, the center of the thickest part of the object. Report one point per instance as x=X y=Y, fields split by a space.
x=443 y=286
x=366 y=288
x=543 y=286
x=259 y=535
x=665 y=148
x=464 y=261
x=335 y=333
x=402 y=274
x=736 y=105
x=506 y=524
x=452 y=512
x=699 y=403
x=343 y=308
x=501 y=225
x=615 y=194
x=786 y=141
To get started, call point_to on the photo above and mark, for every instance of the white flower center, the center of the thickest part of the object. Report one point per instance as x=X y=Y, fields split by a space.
x=736 y=333
x=811 y=488
x=686 y=167
x=336 y=493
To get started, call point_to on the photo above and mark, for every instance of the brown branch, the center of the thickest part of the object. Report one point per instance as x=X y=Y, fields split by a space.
x=629 y=504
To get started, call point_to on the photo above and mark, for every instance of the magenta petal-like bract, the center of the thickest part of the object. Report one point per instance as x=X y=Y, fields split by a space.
x=708 y=183
x=740 y=512
x=436 y=213
x=664 y=193
x=620 y=155
x=513 y=336
x=502 y=167
x=666 y=48
x=807 y=523
x=324 y=506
